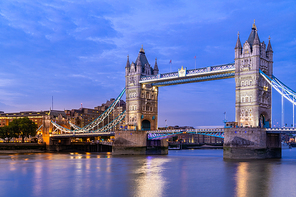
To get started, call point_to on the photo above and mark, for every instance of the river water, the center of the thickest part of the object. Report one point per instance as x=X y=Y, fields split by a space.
x=180 y=173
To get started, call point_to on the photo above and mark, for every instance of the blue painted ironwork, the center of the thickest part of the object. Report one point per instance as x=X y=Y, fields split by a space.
x=39 y=128
x=195 y=79
x=280 y=87
x=162 y=134
x=102 y=117
x=74 y=126
x=93 y=124
x=284 y=130
x=174 y=78
x=78 y=135
x=111 y=124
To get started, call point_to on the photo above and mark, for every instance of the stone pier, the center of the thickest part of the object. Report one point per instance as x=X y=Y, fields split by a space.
x=250 y=143
x=135 y=143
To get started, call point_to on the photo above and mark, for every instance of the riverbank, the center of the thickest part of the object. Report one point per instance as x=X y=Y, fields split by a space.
x=11 y=148
x=8 y=148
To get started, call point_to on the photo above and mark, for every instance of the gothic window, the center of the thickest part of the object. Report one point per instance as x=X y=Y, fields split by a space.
x=247 y=99
x=142 y=95
x=243 y=83
x=246 y=113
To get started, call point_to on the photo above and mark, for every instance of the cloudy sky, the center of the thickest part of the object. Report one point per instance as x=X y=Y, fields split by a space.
x=76 y=52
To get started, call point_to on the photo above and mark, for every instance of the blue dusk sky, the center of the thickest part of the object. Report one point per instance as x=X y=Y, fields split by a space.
x=76 y=51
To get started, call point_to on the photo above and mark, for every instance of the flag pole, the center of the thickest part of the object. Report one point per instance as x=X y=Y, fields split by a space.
x=195 y=61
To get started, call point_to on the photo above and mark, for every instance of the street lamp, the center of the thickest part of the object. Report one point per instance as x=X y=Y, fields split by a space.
x=166 y=125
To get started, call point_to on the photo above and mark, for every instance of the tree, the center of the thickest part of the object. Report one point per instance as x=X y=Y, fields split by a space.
x=6 y=132
x=23 y=127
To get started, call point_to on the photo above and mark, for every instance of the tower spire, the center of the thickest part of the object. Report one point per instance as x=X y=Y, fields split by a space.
x=254 y=26
x=256 y=39
x=155 y=70
x=238 y=42
x=269 y=48
x=127 y=62
x=142 y=50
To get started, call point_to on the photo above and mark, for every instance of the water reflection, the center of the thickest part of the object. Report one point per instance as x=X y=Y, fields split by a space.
x=242 y=177
x=181 y=173
x=150 y=180
x=252 y=178
x=37 y=179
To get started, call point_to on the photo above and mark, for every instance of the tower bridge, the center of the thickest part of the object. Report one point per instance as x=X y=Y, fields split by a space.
x=251 y=137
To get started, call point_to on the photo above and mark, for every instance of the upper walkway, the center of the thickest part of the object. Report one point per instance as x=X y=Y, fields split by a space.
x=189 y=76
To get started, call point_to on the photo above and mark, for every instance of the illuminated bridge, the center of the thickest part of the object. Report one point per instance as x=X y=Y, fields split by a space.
x=254 y=79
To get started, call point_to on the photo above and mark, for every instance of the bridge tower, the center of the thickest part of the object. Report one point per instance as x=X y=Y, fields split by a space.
x=252 y=103
x=141 y=100
x=253 y=93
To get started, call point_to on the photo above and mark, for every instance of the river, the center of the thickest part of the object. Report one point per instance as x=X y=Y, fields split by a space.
x=180 y=173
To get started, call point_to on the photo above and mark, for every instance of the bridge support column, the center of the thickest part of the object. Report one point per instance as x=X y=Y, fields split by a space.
x=251 y=143
x=130 y=143
x=136 y=143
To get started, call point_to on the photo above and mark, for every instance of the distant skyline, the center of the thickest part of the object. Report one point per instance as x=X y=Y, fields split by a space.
x=76 y=52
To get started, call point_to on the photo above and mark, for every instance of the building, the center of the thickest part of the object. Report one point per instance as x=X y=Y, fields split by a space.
x=142 y=107
x=253 y=93
x=83 y=116
x=38 y=117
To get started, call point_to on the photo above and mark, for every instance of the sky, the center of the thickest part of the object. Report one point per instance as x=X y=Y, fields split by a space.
x=75 y=52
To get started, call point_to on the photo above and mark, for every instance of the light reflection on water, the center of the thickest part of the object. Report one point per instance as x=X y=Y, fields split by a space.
x=150 y=181
x=181 y=173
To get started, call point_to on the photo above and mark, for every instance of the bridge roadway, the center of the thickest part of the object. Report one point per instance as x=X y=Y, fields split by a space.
x=188 y=76
x=162 y=134
x=78 y=135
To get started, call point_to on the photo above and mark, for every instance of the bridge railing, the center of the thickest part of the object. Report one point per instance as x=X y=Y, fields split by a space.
x=187 y=130
x=190 y=72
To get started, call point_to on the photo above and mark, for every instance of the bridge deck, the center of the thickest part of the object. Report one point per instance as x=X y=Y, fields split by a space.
x=189 y=76
x=216 y=132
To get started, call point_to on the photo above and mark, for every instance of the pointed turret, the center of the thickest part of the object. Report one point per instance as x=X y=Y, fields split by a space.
x=252 y=36
x=155 y=70
x=238 y=42
x=141 y=61
x=256 y=39
x=269 y=51
x=127 y=63
x=269 y=48
x=238 y=47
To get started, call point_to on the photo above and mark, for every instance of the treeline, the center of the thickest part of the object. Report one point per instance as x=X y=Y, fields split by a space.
x=22 y=127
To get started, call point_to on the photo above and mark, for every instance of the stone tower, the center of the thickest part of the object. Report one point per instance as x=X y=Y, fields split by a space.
x=253 y=93
x=141 y=100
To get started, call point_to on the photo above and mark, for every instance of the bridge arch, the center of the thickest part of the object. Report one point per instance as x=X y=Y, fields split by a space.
x=146 y=125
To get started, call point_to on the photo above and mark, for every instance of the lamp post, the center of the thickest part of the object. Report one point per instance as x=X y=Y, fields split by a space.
x=166 y=125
